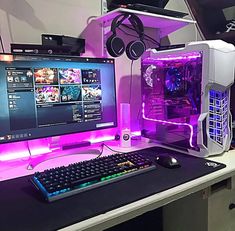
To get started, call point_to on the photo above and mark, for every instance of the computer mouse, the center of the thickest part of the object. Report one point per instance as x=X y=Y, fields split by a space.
x=167 y=161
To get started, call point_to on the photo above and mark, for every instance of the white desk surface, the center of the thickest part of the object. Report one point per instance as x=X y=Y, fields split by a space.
x=157 y=200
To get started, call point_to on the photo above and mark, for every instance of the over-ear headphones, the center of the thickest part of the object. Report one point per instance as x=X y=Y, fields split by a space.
x=115 y=45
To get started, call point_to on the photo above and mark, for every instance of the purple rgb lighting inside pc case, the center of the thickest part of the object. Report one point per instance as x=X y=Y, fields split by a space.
x=186 y=97
x=171 y=104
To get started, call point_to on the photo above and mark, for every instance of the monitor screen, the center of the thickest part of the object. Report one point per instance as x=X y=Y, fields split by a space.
x=43 y=96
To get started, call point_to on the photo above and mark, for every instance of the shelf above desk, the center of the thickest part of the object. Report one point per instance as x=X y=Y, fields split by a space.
x=165 y=24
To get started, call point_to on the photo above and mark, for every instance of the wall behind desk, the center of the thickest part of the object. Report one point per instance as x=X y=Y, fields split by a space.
x=185 y=34
x=23 y=21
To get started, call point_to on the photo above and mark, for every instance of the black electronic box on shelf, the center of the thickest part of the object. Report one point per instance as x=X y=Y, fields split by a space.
x=52 y=45
x=77 y=44
x=40 y=49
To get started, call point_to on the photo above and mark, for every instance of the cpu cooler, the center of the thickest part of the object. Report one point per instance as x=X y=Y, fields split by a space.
x=173 y=80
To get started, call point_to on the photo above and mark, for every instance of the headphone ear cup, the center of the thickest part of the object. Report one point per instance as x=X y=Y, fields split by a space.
x=115 y=46
x=135 y=49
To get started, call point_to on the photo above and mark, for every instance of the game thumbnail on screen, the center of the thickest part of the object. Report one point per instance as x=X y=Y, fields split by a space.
x=47 y=94
x=70 y=76
x=46 y=76
x=90 y=76
x=91 y=92
x=70 y=93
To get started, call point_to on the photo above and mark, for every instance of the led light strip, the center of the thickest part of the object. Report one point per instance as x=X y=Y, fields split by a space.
x=168 y=122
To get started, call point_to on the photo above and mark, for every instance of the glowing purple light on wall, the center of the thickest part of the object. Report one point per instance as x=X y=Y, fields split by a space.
x=169 y=122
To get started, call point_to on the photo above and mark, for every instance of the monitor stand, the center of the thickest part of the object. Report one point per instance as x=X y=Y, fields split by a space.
x=54 y=149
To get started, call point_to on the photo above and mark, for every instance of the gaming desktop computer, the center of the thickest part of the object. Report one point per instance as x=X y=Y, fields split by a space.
x=186 y=97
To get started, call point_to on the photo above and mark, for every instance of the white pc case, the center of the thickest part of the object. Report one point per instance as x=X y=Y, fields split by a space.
x=186 y=97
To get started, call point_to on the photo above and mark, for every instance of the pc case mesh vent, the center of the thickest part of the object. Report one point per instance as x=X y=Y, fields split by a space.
x=218 y=115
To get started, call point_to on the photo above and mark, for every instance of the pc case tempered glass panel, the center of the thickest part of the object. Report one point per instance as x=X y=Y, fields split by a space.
x=218 y=115
x=171 y=104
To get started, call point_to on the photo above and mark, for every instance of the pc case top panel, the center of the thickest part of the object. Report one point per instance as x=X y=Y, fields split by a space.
x=171 y=103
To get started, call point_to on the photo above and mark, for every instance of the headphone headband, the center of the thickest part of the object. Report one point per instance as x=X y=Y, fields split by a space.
x=133 y=19
x=115 y=24
x=116 y=46
x=137 y=24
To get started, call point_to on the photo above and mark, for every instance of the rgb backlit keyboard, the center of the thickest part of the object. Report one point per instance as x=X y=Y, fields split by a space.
x=64 y=181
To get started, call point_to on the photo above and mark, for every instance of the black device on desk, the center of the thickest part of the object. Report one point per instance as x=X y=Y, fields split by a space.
x=167 y=161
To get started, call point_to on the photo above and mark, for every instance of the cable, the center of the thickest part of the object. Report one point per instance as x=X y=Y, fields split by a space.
x=135 y=36
x=132 y=61
x=30 y=154
x=101 y=151
x=115 y=151
x=128 y=33
x=3 y=50
x=152 y=39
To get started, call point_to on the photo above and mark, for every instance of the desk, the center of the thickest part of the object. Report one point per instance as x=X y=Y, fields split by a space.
x=157 y=200
x=137 y=208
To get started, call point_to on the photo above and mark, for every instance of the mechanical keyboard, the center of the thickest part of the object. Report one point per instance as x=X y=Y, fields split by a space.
x=61 y=182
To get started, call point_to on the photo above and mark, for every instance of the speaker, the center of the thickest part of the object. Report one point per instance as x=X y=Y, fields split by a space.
x=125 y=137
x=116 y=46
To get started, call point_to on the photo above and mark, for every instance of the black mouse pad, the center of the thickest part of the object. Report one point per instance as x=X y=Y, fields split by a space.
x=23 y=208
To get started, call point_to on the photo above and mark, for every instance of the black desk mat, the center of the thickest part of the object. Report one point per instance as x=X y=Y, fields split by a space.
x=22 y=207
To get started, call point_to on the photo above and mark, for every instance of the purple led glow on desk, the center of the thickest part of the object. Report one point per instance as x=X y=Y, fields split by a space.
x=169 y=122
x=42 y=146
x=19 y=150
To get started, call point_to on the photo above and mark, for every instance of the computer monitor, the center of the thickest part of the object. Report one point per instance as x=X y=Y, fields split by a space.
x=44 y=96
